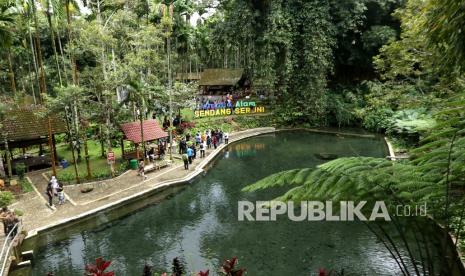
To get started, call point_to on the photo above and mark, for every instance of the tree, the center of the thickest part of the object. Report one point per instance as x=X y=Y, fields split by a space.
x=7 y=17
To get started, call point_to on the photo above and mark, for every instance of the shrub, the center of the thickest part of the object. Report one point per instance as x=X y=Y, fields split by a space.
x=19 y=213
x=66 y=176
x=100 y=174
x=20 y=170
x=6 y=198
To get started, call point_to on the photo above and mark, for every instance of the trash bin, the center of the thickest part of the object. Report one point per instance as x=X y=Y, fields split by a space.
x=133 y=164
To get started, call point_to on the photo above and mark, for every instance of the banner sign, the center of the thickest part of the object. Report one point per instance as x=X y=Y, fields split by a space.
x=226 y=109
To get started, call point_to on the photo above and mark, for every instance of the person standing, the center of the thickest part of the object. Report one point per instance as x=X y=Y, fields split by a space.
x=194 y=149
x=182 y=146
x=209 y=142
x=226 y=138
x=220 y=136
x=198 y=139
x=49 y=194
x=203 y=137
x=185 y=159
x=55 y=185
x=215 y=141
x=141 y=169
x=190 y=154
x=61 y=194
x=3 y=216
x=202 y=150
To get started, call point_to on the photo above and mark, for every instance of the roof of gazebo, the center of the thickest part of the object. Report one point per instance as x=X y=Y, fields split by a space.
x=27 y=124
x=152 y=131
x=217 y=77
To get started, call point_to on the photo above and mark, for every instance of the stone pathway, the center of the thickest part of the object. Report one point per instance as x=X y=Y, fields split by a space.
x=38 y=216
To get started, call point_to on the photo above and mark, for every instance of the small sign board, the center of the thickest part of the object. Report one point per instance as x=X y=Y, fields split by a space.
x=111 y=156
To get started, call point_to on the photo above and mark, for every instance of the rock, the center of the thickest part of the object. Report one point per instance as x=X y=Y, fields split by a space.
x=87 y=189
x=326 y=156
x=13 y=182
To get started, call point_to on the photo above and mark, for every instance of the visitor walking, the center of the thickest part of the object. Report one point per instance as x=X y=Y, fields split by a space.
x=182 y=146
x=55 y=185
x=141 y=169
x=190 y=153
x=49 y=194
x=198 y=139
x=194 y=149
x=215 y=141
x=61 y=194
x=220 y=135
x=185 y=159
x=209 y=142
x=226 y=138
x=202 y=150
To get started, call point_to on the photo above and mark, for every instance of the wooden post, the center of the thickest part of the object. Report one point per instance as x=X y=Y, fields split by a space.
x=86 y=153
x=8 y=157
x=137 y=151
x=55 y=148
x=122 y=148
x=52 y=148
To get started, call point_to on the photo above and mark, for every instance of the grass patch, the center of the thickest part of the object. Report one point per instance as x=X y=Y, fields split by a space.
x=99 y=166
x=26 y=187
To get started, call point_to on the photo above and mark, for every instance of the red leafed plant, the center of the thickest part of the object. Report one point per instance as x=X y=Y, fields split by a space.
x=204 y=273
x=228 y=268
x=98 y=269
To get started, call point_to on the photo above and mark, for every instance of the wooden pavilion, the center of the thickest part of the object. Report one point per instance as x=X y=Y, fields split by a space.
x=132 y=132
x=24 y=127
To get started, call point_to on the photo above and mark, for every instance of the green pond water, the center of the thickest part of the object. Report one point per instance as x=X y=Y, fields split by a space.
x=198 y=221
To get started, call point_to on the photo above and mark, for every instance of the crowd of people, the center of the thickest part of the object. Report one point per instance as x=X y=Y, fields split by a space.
x=55 y=189
x=189 y=146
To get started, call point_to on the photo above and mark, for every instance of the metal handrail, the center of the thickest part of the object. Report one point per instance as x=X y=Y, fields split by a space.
x=5 y=254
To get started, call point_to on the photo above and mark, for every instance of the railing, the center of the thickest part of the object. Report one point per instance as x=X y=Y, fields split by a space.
x=7 y=246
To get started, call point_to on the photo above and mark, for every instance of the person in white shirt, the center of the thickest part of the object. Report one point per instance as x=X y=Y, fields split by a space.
x=226 y=137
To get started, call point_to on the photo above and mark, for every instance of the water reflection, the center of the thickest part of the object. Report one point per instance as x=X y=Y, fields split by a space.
x=200 y=223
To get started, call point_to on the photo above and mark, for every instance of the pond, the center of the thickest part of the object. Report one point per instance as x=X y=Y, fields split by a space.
x=198 y=221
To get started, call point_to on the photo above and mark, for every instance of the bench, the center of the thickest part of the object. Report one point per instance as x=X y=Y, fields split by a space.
x=157 y=165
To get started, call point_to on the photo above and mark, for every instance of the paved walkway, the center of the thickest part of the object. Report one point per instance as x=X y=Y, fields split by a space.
x=38 y=216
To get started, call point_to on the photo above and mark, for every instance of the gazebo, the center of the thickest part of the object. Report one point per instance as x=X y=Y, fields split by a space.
x=132 y=132
x=23 y=128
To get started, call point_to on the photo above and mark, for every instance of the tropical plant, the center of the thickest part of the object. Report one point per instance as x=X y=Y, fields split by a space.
x=6 y=198
x=98 y=269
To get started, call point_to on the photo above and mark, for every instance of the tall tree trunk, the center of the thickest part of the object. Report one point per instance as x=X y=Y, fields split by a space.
x=52 y=37
x=68 y=128
x=70 y=42
x=11 y=73
x=86 y=154
x=62 y=54
x=43 y=87
x=51 y=146
x=36 y=68
x=2 y=168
